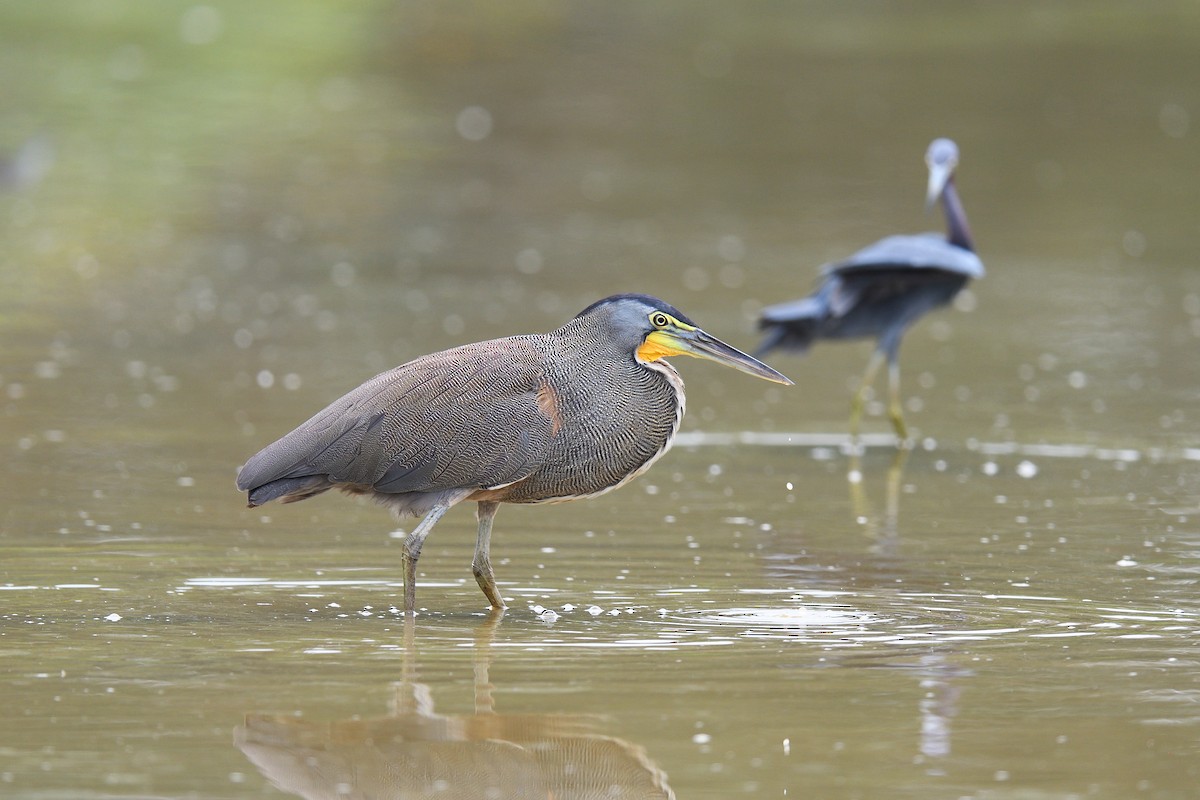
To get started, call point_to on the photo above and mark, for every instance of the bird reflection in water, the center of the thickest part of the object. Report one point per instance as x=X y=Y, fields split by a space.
x=874 y=485
x=940 y=685
x=939 y=676
x=415 y=752
x=940 y=680
x=882 y=528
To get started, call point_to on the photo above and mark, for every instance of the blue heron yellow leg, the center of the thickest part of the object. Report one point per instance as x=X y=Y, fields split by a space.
x=481 y=565
x=895 y=410
x=412 y=552
x=860 y=397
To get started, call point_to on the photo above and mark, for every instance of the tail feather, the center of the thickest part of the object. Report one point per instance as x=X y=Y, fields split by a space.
x=793 y=325
x=288 y=490
x=796 y=336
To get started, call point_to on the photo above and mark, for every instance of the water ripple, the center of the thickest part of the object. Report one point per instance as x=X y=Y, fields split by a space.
x=823 y=442
x=857 y=619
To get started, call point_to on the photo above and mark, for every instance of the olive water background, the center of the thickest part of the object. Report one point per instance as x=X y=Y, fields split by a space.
x=252 y=207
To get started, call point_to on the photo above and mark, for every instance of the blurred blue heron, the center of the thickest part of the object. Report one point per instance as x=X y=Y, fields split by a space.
x=883 y=289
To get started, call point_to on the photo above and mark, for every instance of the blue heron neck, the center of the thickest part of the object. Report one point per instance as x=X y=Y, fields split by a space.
x=958 y=232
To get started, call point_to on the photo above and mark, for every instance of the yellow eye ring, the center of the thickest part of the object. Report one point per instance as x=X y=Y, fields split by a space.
x=659 y=320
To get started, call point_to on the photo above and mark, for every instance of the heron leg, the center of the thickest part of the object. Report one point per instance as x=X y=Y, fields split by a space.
x=412 y=552
x=860 y=397
x=481 y=565
x=895 y=410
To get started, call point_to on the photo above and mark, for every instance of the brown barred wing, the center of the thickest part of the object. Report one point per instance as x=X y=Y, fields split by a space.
x=466 y=418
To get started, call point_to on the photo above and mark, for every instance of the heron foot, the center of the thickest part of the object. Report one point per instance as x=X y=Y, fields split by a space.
x=487 y=582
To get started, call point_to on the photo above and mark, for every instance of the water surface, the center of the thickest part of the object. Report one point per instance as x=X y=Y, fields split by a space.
x=248 y=213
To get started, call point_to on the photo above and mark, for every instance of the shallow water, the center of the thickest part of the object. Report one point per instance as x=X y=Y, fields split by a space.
x=247 y=214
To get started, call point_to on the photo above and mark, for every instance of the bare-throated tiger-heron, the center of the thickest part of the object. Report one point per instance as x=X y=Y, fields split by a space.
x=539 y=418
x=881 y=290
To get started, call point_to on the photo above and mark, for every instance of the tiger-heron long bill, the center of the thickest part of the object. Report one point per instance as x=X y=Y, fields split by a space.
x=540 y=418
x=883 y=289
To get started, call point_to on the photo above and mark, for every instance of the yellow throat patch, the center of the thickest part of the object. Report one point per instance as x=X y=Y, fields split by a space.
x=657 y=345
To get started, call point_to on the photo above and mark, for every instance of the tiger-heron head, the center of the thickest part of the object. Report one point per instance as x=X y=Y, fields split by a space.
x=651 y=329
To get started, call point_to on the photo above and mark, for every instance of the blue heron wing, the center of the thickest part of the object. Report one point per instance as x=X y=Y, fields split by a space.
x=918 y=251
x=895 y=266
